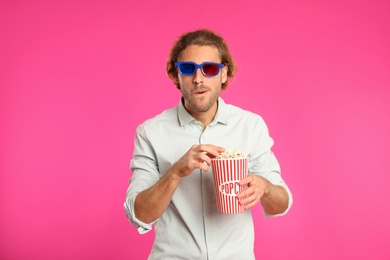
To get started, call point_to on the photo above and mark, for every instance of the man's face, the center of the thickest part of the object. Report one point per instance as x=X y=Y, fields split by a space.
x=201 y=92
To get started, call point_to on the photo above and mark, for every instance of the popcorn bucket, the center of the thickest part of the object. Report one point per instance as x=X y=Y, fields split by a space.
x=227 y=173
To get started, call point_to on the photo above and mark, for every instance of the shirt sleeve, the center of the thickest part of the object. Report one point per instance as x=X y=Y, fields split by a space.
x=276 y=179
x=263 y=162
x=129 y=209
x=145 y=174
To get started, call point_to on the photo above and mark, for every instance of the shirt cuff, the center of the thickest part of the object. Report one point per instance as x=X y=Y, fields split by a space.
x=276 y=179
x=290 y=201
x=142 y=227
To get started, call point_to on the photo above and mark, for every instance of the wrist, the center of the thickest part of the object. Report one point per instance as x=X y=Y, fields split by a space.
x=267 y=188
x=174 y=175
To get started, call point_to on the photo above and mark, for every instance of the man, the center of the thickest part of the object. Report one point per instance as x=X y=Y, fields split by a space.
x=172 y=183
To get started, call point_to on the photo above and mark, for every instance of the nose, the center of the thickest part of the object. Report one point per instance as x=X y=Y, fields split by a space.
x=198 y=77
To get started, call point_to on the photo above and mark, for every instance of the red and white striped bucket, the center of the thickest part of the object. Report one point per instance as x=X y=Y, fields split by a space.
x=227 y=173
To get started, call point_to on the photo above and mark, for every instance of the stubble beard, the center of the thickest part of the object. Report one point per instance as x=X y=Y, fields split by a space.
x=195 y=106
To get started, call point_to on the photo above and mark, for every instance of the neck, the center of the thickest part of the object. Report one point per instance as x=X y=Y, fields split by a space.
x=204 y=117
x=207 y=117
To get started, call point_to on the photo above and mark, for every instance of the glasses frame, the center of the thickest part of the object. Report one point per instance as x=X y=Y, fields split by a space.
x=199 y=66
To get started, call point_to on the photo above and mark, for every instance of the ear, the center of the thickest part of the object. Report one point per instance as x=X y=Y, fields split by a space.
x=176 y=81
x=174 y=78
x=224 y=71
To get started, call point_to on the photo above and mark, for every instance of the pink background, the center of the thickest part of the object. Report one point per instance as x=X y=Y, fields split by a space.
x=77 y=77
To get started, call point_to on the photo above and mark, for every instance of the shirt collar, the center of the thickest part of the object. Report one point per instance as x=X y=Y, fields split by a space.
x=220 y=117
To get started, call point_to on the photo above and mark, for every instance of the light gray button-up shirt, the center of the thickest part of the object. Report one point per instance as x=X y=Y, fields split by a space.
x=192 y=227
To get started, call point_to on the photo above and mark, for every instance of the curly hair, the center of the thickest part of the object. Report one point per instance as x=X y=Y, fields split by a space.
x=202 y=37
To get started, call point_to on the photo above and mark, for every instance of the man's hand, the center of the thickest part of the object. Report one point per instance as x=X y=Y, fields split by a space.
x=273 y=198
x=151 y=203
x=256 y=188
x=197 y=157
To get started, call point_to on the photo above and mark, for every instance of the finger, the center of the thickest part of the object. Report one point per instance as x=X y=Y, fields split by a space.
x=203 y=166
x=248 y=205
x=210 y=149
x=251 y=199
x=204 y=159
x=246 y=193
x=248 y=179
